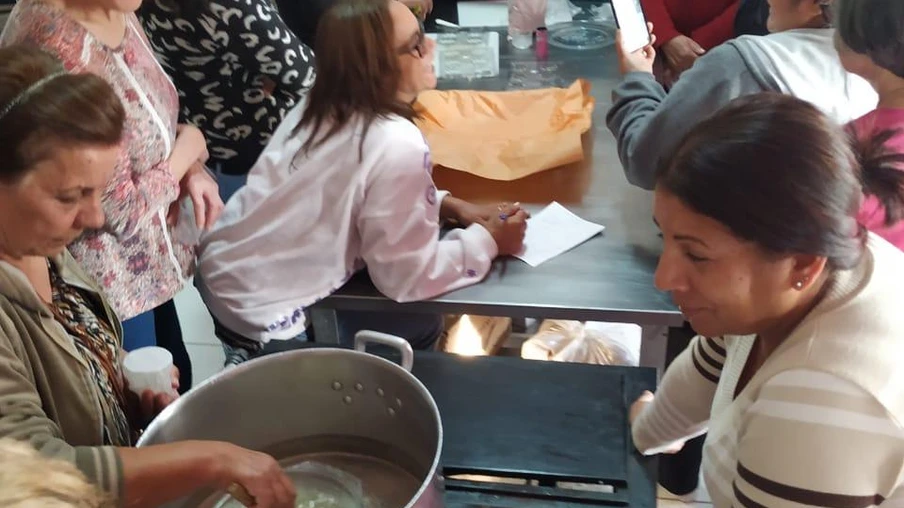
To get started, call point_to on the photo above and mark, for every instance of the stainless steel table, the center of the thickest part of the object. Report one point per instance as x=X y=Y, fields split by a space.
x=609 y=278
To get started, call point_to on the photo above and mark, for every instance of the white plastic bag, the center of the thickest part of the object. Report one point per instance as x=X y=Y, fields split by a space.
x=572 y=341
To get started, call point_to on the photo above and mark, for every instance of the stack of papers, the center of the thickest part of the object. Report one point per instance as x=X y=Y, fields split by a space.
x=553 y=232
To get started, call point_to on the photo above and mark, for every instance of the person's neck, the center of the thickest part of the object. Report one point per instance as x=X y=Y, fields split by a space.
x=891 y=91
x=35 y=270
x=776 y=332
x=406 y=98
x=88 y=12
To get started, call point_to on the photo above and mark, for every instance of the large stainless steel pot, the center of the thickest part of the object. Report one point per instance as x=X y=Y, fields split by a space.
x=348 y=409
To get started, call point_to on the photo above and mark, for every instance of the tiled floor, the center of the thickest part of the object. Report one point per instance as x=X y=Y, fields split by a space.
x=207 y=359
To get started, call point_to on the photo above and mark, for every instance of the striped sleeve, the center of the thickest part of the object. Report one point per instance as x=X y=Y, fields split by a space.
x=682 y=405
x=813 y=439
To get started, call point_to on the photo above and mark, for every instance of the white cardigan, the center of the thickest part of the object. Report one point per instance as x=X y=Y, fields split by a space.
x=306 y=222
x=820 y=422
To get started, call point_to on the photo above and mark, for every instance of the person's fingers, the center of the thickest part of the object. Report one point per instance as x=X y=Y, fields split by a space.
x=172 y=216
x=147 y=404
x=284 y=489
x=215 y=209
x=197 y=199
x=161 y=401
x=263 y=495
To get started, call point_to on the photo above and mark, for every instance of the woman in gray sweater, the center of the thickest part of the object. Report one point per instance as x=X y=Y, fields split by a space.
x=798 y=58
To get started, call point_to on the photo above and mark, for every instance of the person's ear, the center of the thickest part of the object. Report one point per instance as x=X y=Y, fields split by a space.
x=805 y=270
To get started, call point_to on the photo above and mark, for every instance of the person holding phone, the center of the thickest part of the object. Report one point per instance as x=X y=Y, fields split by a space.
x=686 y=29
x=798 y=58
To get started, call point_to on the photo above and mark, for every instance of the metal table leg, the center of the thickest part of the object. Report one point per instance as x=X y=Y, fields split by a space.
x=654 y=342
x=326 y=328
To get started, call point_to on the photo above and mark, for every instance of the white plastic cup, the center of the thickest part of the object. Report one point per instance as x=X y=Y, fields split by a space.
x=149 y=368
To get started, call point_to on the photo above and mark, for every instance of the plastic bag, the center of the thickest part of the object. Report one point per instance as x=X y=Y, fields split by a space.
x=572 y=341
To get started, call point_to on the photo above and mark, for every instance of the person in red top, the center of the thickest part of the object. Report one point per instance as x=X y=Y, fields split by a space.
x=685 y=29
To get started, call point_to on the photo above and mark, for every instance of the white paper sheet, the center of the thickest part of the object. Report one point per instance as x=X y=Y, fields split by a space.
x=554 y=231
x=485 y=13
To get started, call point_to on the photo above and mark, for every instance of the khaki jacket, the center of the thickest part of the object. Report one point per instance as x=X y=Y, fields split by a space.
x=47 y=393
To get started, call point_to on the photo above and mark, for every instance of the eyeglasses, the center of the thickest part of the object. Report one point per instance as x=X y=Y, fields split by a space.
x=420 y=45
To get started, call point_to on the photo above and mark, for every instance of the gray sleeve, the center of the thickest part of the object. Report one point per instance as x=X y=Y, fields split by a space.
x=648 y=123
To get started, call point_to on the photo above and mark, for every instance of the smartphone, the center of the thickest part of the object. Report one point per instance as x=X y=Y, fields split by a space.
x=632 y=23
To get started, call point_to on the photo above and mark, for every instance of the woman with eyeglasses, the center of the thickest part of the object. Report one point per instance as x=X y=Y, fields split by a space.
x=345 y=183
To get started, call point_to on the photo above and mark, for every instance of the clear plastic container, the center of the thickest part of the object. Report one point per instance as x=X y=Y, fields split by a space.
x=525 y=16
x=149 y=368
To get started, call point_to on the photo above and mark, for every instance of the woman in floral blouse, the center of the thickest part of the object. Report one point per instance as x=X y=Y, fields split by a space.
x=135 y=256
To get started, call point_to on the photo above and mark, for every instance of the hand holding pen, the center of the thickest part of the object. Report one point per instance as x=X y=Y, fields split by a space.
x=508 y=228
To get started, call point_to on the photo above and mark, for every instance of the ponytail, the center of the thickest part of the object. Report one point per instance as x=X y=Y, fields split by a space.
x=882 y=171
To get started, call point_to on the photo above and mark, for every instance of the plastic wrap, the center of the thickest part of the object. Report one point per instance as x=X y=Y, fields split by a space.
x=572 y=341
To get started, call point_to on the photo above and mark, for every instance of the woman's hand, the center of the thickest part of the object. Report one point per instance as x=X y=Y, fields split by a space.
x=681 y=53
x=465 y=213
x=507 y=227
x=193 y=139
x=257 y=473
x=145 y=407
x=205 y=196
x=646 y=398
x=190 y=148
x=638 y=61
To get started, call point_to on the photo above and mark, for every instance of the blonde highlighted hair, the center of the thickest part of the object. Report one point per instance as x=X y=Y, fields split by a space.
x=28 y=480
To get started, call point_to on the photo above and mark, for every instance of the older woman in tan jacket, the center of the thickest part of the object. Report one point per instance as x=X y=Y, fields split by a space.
x=61 y=384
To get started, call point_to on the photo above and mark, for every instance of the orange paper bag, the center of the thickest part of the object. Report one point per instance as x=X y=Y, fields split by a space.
x=506 y=135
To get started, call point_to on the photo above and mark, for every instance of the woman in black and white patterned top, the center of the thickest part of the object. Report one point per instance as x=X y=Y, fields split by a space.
x=238 y=69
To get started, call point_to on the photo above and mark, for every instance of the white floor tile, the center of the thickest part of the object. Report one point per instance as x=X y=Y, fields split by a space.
x=197 y=325
x=206 y=360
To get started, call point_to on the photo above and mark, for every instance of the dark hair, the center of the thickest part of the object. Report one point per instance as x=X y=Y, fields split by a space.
x=874 y=28
x=67 y=110
x=882 y=170
x=359 y=74
x=827 y=9
x=778 y=173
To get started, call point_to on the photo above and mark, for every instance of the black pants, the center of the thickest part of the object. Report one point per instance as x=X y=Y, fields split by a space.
x=169 y=337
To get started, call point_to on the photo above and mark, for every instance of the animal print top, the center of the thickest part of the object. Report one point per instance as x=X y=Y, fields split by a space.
x=238 y=69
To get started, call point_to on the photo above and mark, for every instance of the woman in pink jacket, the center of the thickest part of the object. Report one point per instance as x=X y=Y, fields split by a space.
x=870 y=40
